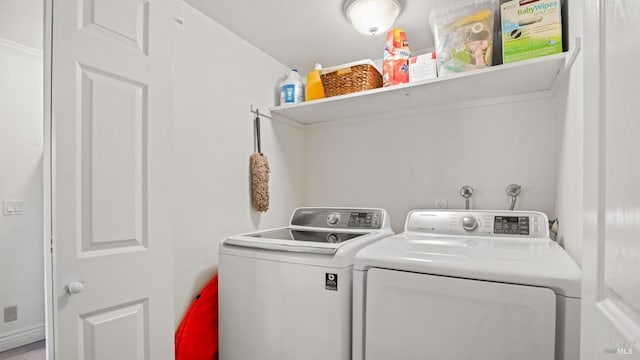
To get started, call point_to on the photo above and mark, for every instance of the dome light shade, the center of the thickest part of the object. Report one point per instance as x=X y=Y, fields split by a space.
x=372 y=17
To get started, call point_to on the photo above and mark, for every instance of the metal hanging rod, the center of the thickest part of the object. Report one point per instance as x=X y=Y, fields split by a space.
x=256 y=111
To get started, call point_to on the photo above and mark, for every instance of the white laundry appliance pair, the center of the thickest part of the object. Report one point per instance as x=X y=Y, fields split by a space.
x=455 y=285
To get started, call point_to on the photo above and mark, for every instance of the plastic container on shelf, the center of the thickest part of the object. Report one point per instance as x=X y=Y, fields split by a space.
x=314 y=89
x=464 y=35
x=292 y=89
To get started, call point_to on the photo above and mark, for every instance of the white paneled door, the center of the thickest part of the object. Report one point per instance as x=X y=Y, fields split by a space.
x=611 y=260
x=111 y=137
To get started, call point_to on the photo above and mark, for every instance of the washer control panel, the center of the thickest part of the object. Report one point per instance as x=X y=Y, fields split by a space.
x=513 y=225
x=341 y=218
x=527 y=224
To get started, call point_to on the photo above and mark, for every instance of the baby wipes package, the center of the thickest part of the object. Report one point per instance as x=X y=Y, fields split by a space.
x=530 y=28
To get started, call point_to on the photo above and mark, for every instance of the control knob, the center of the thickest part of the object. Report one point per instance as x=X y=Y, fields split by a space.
x=469 y=223
x=333 y=218
x=333 y=238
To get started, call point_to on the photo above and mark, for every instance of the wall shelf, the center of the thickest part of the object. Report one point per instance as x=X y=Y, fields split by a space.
x=535 y=77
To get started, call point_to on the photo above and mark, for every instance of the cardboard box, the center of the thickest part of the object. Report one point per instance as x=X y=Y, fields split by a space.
x=395 y=61
x=530 y=28
x=423 y=67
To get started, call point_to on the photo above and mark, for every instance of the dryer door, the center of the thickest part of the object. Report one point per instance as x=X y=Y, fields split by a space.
x=417 y=316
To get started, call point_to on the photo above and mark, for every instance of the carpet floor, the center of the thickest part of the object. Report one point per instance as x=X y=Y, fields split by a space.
x=35 y=351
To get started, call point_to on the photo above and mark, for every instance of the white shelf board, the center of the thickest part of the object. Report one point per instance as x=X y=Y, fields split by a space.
x=533 y=76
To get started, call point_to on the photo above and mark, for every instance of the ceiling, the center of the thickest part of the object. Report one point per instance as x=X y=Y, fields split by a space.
x=299 y=33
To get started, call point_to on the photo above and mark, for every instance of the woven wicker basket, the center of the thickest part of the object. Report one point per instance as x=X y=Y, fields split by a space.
x=350 y=78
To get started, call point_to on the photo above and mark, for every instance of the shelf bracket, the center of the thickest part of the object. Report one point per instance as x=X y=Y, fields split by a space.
x=282 y=119
x=256 y=111
x=573 y=53
x=569 y=60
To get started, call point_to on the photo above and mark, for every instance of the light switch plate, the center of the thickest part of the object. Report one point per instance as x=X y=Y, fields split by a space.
x=19 y=205
x=13 y=207
x=7 y=208
x=440 y=204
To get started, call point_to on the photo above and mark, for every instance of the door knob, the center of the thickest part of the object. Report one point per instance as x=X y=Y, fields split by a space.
x=75 y=287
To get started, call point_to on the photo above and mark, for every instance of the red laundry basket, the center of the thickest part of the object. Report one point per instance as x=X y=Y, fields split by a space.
x=197 y=335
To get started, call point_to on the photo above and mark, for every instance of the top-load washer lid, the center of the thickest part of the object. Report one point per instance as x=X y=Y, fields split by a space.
x=295 y=240
x=501 y=246
x=308 y=236
x=319 y=231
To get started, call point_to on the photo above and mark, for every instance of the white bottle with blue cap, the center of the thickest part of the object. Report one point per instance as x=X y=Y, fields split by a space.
x=292 y=89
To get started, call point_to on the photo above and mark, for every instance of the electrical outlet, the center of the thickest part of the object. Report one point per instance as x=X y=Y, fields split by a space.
x=11 y=313
x=441 y=204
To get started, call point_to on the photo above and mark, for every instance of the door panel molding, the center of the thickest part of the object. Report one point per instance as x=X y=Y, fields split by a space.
x=128 y=26
x=125 y=326
x=113 y=213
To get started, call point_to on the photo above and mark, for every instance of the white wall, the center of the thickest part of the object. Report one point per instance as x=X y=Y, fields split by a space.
x=21 y=21
x=404 y=164
x=568 y=113
x=21 y=237
x=217 y=76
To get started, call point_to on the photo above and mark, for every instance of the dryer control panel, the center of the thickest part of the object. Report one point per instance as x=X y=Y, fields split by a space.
x=339 y=218
x=525 y=224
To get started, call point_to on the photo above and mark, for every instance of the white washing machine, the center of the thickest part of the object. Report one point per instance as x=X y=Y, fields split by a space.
x=459 y=285
x=286 y=293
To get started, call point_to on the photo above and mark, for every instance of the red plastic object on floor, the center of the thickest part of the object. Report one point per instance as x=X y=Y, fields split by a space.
x=197 y=335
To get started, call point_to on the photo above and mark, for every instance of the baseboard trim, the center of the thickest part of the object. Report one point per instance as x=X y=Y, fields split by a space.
x=21 y=337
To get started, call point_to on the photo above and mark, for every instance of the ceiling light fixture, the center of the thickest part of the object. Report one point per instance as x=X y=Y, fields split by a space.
x=372 y=17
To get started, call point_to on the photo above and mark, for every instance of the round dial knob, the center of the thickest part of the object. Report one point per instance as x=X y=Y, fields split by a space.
x=333 y=238
x=469 y=223
x=333 y=218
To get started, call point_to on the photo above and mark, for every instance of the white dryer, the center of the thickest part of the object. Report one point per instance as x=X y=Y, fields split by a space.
x=286 y=293
x=459 y=285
